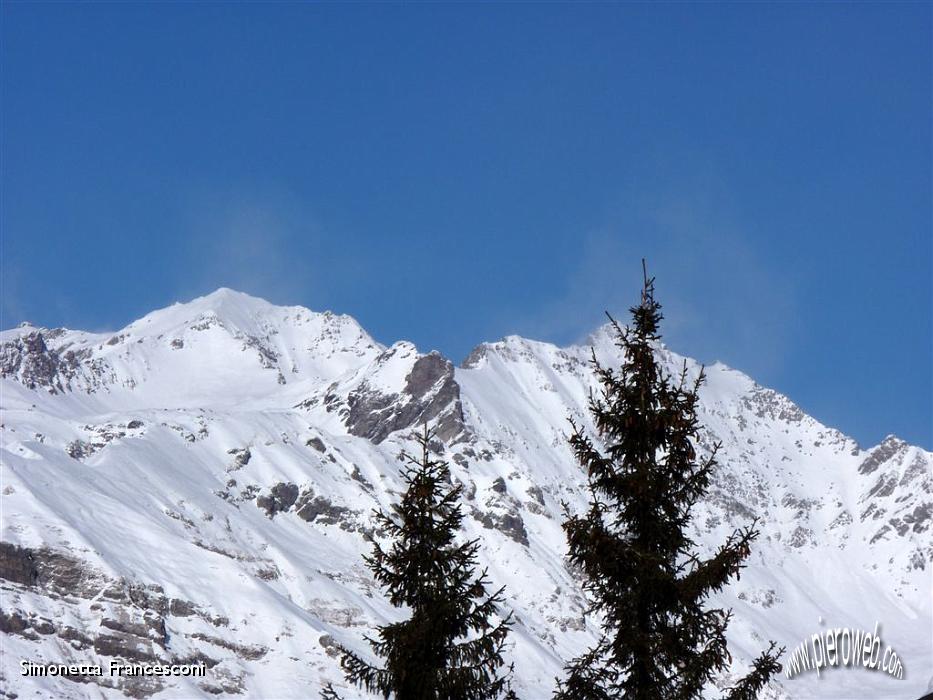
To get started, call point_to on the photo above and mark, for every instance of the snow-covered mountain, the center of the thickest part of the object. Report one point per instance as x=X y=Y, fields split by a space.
x=198 y=486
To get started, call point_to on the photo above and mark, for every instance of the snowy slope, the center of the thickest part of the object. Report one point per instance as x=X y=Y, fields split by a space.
x=199 y=484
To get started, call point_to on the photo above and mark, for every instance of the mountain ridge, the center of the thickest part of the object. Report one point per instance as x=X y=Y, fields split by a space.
x=233 y=436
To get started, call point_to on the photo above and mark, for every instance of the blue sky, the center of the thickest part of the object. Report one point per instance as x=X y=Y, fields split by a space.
x=454 y=173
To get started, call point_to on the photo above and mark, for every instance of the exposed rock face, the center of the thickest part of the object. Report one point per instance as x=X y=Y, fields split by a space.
x=331 y=648
x=13 y=623
x=281 y=498
x=767 y=403
x=431 y=395
x=476 y=356
x=510 y=524
x=241 y=457
x=133 y=624
x=48 y=569
x=244 y=651
x=236 y=508
x=881 y=454
x=29 y=359
x=536 y=493
x=899 y=501
x=18 y=564
x=919 y=518
x=288 y=498
x=316 y=443
x=319 y=509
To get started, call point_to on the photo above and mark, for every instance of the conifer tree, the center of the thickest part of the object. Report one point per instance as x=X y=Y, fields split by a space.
x=640 y=568
x=451 y=646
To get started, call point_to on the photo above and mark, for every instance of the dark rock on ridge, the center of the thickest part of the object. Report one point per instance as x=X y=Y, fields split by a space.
x=889 y=447
x=29 y=359
x=431 y=395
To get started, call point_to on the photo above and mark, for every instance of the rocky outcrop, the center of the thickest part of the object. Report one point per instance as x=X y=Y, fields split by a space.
x=286 y=497
x=899 y=497
x=475 y=358
x=18 y=564
x=241 y=457
x=431 y=395
x=316 y=443
x=132 y=619
x=50 y=570
x=886 y=451
x=767 y=403
x=280 y=498
x=319 y=509
x=30 y=360
x=509 y=524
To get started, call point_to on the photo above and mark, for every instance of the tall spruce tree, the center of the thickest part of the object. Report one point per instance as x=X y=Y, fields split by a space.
x=451 y=646
x=641 y=571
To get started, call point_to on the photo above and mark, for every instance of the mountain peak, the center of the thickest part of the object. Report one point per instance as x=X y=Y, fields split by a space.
x=252 y=441
x=228 y=295
x=224 y=300
x=237 y=311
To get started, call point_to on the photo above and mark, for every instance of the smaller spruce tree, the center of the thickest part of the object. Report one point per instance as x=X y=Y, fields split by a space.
x=640 y=566
x=451 y=646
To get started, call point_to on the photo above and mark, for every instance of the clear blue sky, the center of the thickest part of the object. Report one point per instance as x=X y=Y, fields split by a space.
x=455 y=173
